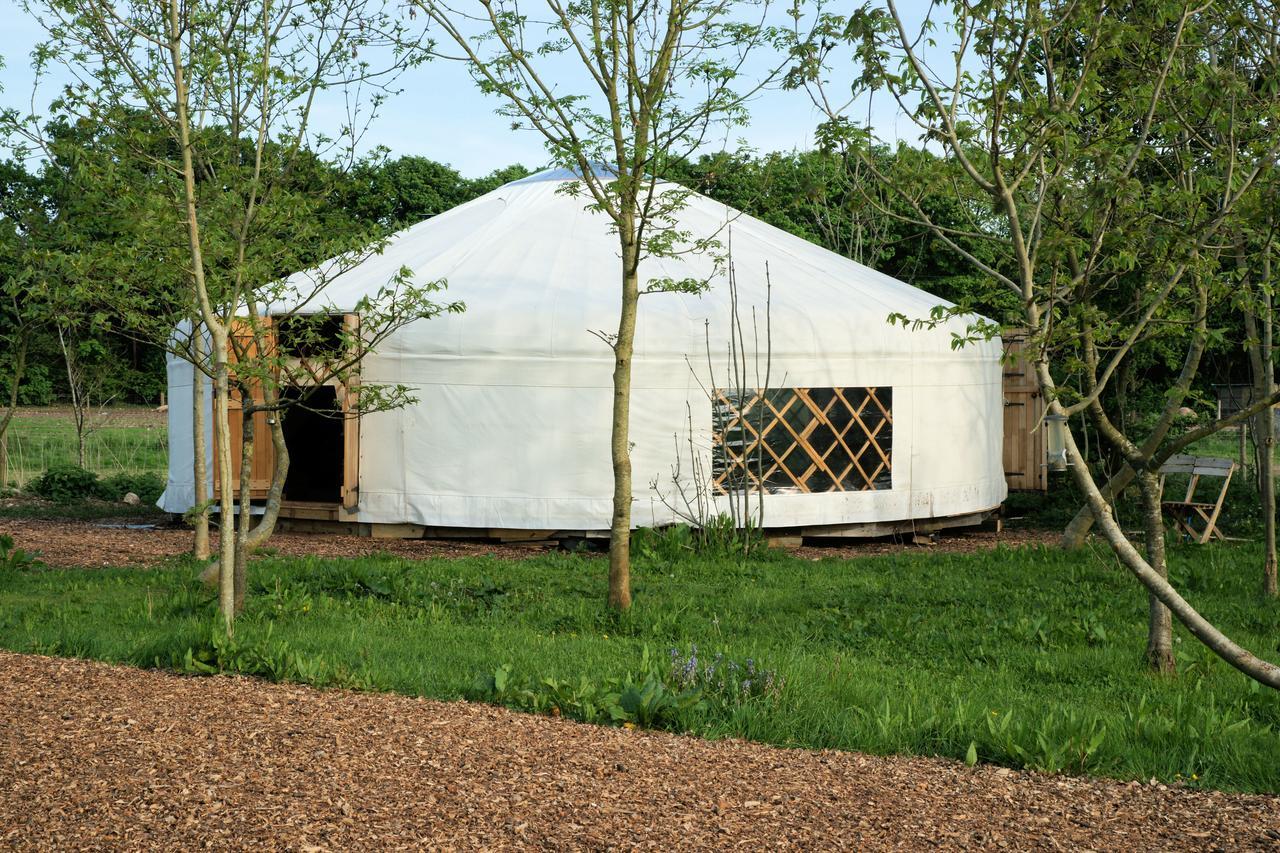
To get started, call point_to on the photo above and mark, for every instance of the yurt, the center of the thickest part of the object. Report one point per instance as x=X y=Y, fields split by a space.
x=792 y=386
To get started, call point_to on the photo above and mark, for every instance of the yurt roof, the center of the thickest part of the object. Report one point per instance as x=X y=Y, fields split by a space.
x=539 y=273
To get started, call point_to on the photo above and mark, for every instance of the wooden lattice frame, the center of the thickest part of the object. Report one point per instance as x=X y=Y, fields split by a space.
x=804 y=440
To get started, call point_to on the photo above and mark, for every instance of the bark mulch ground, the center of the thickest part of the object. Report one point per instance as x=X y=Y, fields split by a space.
x=93 y=544
x=94 y=756
x=110 y=543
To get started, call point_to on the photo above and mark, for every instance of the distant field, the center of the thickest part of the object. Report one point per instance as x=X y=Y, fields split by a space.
x=1225 y=443
x=124 y=439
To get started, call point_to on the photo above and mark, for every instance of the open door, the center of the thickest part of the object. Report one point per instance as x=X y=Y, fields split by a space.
x=1024 y=467
x=321 y=430
x=350 y=492
x=263 y=463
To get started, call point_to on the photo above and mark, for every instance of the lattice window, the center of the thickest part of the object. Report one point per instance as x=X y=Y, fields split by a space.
x=803 y=440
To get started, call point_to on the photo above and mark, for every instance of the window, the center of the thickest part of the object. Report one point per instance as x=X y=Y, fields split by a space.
x=803 y=440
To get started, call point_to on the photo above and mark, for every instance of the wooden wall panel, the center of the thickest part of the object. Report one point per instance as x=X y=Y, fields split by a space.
x=1024 y=462
x=350 y=493
x=264 y=454
x=263 y=463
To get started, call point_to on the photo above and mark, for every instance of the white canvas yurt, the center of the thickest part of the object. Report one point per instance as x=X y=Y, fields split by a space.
x=862 y=425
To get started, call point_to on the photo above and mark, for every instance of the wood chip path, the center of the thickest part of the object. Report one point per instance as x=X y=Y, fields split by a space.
x=95 y=544
x=99 y=757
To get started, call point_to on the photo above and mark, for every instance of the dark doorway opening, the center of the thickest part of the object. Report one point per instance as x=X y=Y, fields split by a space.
x=313 y=429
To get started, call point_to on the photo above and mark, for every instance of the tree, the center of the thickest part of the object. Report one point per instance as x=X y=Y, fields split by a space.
x=406 y=190
x=826 y=197
x=1255 y=265
x=232 y=87
x=87 y=367
x=21 y=317
x=659 y=78
x=1116 y=155
x=51 y=218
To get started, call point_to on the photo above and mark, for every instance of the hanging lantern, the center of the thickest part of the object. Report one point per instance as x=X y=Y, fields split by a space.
x=1055 y=441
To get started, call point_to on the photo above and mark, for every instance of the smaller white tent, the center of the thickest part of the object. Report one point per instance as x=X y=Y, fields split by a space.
x=862 y=421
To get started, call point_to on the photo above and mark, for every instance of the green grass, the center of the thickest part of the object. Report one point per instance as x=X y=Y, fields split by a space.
x=1227 y=444
x=1029 y=657
x=37 y=442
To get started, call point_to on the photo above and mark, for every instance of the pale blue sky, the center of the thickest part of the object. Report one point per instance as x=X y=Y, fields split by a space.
x=441 y=115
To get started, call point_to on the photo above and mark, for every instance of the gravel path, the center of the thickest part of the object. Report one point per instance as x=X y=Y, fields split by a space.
x=94 y=756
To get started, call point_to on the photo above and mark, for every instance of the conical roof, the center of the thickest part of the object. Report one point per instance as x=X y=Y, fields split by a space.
x=539 y=272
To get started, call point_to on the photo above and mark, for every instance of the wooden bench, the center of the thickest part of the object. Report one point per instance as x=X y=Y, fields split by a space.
x=1197 y=520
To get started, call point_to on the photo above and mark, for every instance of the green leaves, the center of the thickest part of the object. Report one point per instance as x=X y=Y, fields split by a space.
x=648 y=698
x=13 y=558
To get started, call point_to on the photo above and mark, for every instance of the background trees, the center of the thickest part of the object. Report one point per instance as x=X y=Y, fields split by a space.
x=829 y=197
x=214 y=102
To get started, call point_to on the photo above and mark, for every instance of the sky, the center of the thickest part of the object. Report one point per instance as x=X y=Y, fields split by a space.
x=441 y=115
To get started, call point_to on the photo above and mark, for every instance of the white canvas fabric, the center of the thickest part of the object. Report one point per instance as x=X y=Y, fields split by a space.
x=512 y=422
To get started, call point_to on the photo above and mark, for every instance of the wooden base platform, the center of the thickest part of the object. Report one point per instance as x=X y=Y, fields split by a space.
x=330 y=518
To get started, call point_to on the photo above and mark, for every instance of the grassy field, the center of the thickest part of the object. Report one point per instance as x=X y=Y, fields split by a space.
x=123 y=440
x=1027 y=658
x=1226 y=443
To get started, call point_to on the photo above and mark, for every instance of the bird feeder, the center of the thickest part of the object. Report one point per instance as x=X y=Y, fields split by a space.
x=1055 y=441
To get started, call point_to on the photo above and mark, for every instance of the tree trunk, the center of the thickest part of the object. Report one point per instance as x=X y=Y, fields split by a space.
x=1262 y=671
x=226 y=517
x=1078 y=528
x=76 y=389
x=1267 y=433
x=266 y=525
x=200 y=464
x=245 y=497
x=620 y=439
x=19 y=371
x=1259 y=332
x=217 y=330
x=1159 y=622
x=1075 y=533
x=262 y=530
x=1265 y=439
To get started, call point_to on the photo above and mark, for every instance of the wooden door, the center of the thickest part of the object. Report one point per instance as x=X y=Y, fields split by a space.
x=264 y=458
x=1024 y=460
x=350 y=492
x=263 y=463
